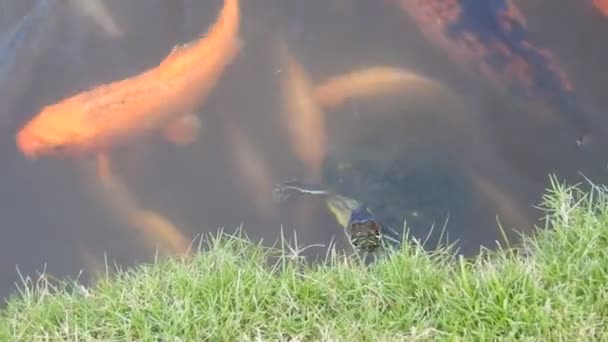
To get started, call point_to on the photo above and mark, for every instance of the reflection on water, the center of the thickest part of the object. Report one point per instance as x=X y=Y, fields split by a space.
x=452 y=149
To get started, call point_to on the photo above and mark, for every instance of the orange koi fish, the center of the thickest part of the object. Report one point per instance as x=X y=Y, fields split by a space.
x=96 y=121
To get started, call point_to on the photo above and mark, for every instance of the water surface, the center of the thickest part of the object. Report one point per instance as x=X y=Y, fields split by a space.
x=493 y=162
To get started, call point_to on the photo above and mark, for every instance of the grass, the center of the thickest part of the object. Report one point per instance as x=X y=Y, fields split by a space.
x=551 y=287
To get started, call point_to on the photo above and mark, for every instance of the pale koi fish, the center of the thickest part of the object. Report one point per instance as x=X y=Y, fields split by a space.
x=372 y=83
x=252 y=167
x=157 y=229
x=301 y=114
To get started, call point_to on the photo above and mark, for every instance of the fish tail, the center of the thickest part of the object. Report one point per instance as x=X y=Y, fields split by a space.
x=221 y=40
x=228 y=22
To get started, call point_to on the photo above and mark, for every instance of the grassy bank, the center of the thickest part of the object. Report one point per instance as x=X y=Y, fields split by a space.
x=555 y=286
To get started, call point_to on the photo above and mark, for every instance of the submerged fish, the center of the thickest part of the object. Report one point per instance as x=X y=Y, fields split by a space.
x=302 y=115
x=490 y=38
x=251 y=166
x=116 y=196
x=96 y=121
x=20 y=50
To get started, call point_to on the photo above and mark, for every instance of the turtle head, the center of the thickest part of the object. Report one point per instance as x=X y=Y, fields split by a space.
x=364 y=230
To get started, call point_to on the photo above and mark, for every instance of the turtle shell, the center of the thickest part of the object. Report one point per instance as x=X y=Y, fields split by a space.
x=412 y=188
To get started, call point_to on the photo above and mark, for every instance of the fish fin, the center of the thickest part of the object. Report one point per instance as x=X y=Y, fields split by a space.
x=185 y=130
x=179 y=48
x=183 y=48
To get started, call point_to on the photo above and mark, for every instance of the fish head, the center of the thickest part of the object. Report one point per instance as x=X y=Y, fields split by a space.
x=57 y=131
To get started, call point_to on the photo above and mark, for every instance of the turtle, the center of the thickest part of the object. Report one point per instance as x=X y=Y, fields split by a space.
x=377 y=199
x=364 y=231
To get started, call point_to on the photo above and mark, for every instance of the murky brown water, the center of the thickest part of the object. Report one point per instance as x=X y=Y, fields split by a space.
x=54 y=213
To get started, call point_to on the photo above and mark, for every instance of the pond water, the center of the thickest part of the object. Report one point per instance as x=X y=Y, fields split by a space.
x=465 y=152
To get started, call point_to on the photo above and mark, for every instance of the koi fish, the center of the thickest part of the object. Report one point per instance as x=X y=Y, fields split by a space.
x=117 y=197
x=251 y=166
x=491 y=38
x=421 y=103
x=371 y=83
x=94 y=122
x=20 y=50
x=302 y=115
